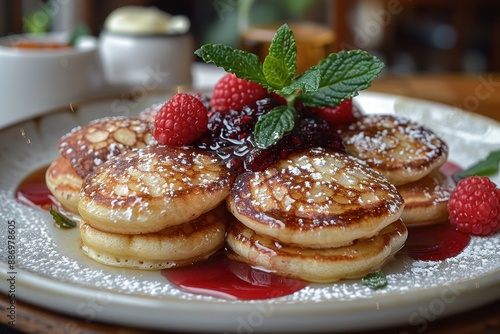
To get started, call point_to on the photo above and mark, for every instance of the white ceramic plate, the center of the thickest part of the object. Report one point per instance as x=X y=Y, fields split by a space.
x=50 y=270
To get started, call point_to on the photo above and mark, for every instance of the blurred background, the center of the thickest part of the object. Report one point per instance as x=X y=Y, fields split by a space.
x=408 y=35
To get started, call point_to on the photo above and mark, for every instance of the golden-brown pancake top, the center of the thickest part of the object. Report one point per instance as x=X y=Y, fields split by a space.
x=92 y=144
x=399 y=148
x=316 y=198
x=155 y=171
x=145 y=190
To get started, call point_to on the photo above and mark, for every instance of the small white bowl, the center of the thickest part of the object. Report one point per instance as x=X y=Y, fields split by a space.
x=34 y=80
x=147 y=61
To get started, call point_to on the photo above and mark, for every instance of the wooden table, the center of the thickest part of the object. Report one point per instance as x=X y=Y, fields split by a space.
x=478 y=93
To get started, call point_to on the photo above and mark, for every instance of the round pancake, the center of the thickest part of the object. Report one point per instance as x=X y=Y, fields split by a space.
x=426 y=200
x=64 y=184
x=400 y=149
x=316 y=265
x=146 y=190
x=315 y=198
x=90 y=145
x=173 y=246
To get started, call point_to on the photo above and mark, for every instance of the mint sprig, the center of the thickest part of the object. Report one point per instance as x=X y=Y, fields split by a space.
x=343 y=75
x=338 y=77
x=485 y=167
x=376 y=280
x=61 y=220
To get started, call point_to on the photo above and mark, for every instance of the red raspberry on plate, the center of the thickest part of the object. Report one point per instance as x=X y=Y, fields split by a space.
x=342 y=113
x=233 y=93
x=181 y=120
x=474 y=206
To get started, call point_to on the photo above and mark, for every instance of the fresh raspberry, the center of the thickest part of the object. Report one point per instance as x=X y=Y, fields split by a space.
x=233 y=93
x=181 y=120
x=474 y=206
x=342 y=113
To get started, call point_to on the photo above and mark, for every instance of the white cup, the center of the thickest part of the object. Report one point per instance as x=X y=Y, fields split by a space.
x=148 y=61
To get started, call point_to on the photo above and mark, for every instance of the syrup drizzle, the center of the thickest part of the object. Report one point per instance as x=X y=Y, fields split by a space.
x=435 y=242
x=33 y=191
x=225 y=278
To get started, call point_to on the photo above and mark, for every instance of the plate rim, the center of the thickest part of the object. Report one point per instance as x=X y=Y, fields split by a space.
x=488 y=280
x=364 y=307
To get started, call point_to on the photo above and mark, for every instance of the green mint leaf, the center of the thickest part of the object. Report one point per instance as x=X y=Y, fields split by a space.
x=281 y=59
x=343 y=74
x=271 y=126
x=275 y=73
x=243 y=64
x=375 y=280
x=306 y=82
x=61 y=220
x=485 y=167
x=339 y=76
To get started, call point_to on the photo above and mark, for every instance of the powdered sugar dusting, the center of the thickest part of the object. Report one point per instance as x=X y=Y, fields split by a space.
x=40 y=252
x=90 y=145
x=135 y=178
x=318 y=181
x=399 y=148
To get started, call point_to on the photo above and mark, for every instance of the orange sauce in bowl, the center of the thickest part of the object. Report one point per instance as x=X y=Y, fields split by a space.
x=34 y=45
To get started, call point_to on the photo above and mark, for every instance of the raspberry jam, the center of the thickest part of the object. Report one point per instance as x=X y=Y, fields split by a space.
x=222 y=277
x=230 y=136
x=435 y=242
x=33 y=191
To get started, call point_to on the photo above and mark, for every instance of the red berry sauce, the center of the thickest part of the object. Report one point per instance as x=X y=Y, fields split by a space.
x=435 y=242
x=222 y=277
x=33 y=191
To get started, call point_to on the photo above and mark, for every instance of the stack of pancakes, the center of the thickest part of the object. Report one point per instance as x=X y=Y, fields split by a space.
x=317 y=215
x=153 y=208
x=410 y=156
x=143 y=205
